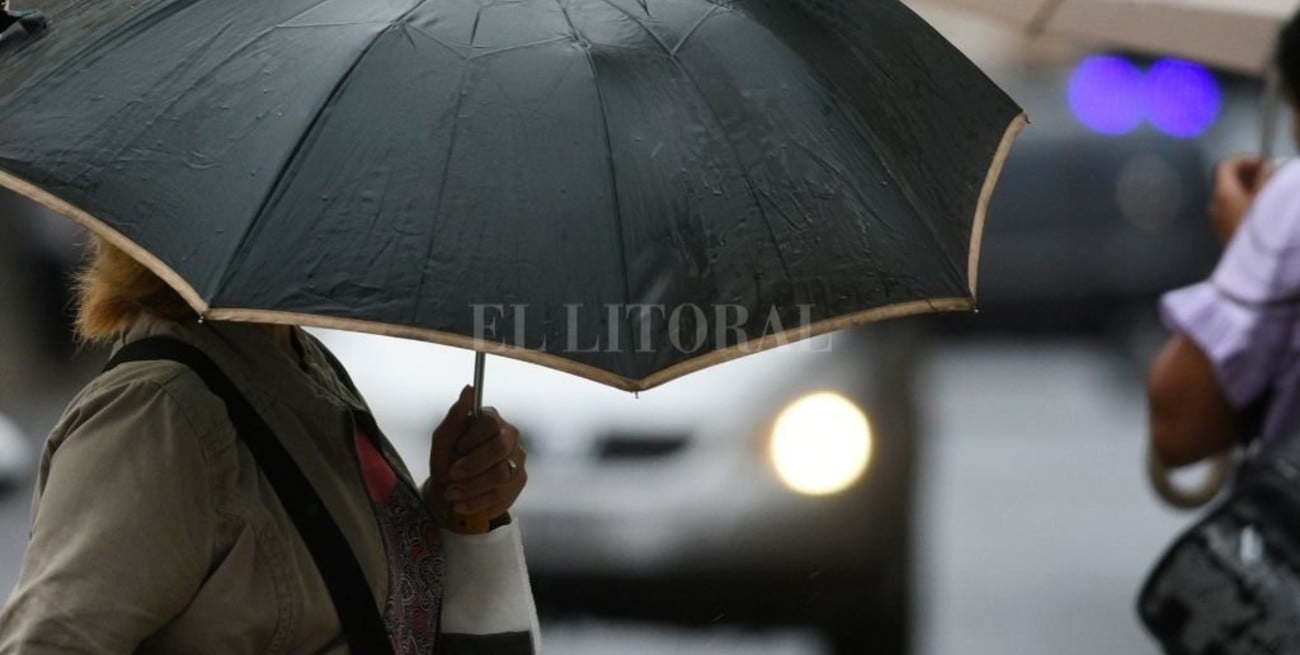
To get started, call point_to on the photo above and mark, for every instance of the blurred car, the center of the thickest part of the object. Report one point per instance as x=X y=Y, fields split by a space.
x=1101 y=206
x=773 y=490
x=1083 y=231
x=16 y=457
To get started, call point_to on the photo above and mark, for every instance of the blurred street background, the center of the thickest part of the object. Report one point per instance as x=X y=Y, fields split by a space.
x=1028 y=522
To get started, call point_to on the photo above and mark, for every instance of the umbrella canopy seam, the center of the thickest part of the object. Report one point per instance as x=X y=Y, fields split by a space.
x=694 y=28
x=879 y=144
x=620 y=232
x=1044 y=16
x=442 y=188
x=273 y=190
x=722 y=129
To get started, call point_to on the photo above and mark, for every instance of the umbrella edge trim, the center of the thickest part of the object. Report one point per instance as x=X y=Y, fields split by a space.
x=1009 y=137
x=88 y=221
x=585 y=371
x=201 y=307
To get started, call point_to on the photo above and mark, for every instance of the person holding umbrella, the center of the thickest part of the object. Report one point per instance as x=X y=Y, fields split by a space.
x=1228 y=380
x=153 y=532
x=744 y=173
x=1228 y=375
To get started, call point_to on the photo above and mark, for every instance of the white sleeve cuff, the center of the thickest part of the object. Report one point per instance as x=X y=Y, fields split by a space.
x=486 y=588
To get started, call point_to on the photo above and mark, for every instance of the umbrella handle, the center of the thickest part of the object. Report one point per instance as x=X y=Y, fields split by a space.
x=1217 y=478
x=479 y=523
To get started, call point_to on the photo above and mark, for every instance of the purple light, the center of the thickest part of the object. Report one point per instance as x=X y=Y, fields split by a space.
x=1108 y=94
x=1183 y=99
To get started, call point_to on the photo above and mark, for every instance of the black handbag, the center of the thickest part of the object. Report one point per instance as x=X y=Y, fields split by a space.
x=1230 y=584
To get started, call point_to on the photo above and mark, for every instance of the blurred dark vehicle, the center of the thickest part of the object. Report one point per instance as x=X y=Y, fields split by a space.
x=16 y=456
x=683 y=505
x=1101 y=207
x=1084 y=233
x=37 y=253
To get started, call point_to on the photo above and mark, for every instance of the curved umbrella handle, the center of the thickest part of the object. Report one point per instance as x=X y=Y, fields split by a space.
x=1181 y=498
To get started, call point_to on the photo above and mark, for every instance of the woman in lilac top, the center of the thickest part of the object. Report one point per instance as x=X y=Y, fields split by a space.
x=1231 y=372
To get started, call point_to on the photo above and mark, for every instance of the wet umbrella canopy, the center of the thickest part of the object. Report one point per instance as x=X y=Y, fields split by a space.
x=624 y=189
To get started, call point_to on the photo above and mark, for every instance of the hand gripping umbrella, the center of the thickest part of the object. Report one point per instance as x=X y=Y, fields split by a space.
x=627 y=190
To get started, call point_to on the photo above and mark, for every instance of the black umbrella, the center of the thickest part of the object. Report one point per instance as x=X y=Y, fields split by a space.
x=627 y=190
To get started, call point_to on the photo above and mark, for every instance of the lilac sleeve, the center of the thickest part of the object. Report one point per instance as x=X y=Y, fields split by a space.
x=1246 y=316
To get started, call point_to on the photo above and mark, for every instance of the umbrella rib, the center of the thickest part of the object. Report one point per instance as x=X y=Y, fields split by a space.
x=287 y=166
x=74 y=58
x=300 y=26
x=523 y=46
x=473 y=33
x=473 y=55
x=731 y=143
x=180 y=97
x=609 y=151
x=412 y=27
x=694 y=28
x=1043 y=16
x=442 y=190
x=870 y=135
x=206 y=44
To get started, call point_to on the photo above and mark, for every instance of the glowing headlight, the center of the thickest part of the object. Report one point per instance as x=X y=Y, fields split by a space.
x=821 y=444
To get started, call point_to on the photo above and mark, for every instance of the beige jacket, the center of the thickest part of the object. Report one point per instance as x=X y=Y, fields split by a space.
x=153 y=530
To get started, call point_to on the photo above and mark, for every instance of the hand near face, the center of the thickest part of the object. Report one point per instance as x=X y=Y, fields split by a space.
x=477 y=466
x=1237 y=182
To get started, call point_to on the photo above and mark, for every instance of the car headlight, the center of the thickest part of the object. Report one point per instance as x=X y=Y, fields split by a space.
x=821 y=444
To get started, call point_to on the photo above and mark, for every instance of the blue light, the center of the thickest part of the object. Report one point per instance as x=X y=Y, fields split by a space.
x=1108 y=94
x=1112 y=96
x=1183 y=99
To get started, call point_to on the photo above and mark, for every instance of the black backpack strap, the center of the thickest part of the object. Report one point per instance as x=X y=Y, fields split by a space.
x=353 y=600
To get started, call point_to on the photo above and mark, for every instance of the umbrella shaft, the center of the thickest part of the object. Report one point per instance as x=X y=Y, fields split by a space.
x=478 y=523
x=1272 y=98
x=479 y=360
